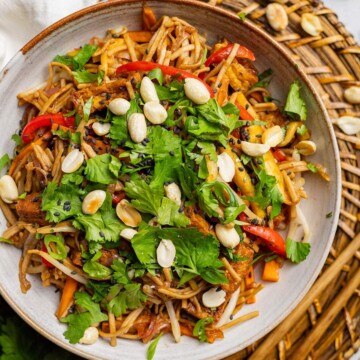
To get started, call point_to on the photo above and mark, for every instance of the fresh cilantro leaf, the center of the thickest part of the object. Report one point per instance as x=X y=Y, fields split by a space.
x=245 y=159
x=302 y=130
x=197 y=253
x=87 y=109
x=96 y=270
x=17 y=139
x=297 y=251
x=145 y=198
x=266 y=191
x=79 y=322
x=169 y=214
x=208 y=148
x=120 y=274
x=205 y=130
x=22 y=196
x=61 y=202
x=103 y=169
x=145 y=243
x=4 y=160
x=170 y=92
x=199 y=328
x=206 y=199
x=152 y=348
x=229 y=253
x=75 y=137
x=75 y=178
x=64 y=59
x=70 y=113
x=187 y=179
x=262 y=79
x=129 y=298
x=180 y=106
x=83 y=56
x=242 y=16
x=77 y=61
x=84 y=76
x=119 y=130
x=99 y=289
x=312 y=167
x=103 y=226
x=295 y=106
x=156 y=74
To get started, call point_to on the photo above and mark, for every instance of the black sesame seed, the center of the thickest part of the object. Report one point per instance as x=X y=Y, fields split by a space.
x=254 y=221
x=248 y=123
x=146 y=51
x=171 y=153
x=258 y=136
x=73 y=273
x=102 y=102
x=115 y=36
x=181 y=209
x=231 y=317
x=259 y=162
x=238 y=141
x=108 y=96
x=133 y=82
x=68 y=202
x=59 y=202
x=101 y=234
x=218 y=289
x=247 y=106
x=56 y=213
x=240 y=168
x=67 y=207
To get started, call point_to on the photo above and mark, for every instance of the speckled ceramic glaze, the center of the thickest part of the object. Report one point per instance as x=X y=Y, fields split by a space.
x=276 y=301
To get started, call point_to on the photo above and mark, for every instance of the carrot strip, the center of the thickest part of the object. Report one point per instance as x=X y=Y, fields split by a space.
x=27 y=150
x=67 y=296
x=251 y=299
x=140 y=36
x=148 y=18
x=249 y=278
x=60 y=127
x=271 y=271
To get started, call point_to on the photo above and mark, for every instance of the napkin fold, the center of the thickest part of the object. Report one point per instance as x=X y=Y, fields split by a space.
x=21 y=20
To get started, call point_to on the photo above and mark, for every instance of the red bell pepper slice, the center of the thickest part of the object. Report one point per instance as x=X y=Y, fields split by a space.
x=224 y=52
x=244 y=114
x=29 y=131
x=278 y=155
x=45 y=262
x=167 y=70
x=271 y=238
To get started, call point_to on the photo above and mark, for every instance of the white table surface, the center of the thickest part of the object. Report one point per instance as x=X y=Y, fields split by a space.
x=348 y=12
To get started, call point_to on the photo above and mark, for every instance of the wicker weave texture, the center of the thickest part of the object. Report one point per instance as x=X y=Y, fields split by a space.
x=329 y=328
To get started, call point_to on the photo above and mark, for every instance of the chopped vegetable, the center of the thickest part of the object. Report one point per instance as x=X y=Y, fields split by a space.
x=199 y=328
x=271 y=271
x=67 y=296
x=167 y=70
x=41 y=121
x=224 y=52
x=152 y=348
x=297 y=251
x=295 y=105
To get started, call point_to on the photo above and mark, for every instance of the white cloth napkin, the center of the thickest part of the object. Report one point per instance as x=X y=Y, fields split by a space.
x=21 y=20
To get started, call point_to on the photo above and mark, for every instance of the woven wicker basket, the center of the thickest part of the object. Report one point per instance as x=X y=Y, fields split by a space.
x=325 y=325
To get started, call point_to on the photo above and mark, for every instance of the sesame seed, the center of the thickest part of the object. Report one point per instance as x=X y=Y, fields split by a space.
x=59 y=202
x=56 y=213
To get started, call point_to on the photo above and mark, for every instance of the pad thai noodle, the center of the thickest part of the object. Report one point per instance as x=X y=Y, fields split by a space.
x=152 y=174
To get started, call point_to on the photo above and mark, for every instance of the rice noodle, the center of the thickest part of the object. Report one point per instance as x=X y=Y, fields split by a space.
x=225 y=317
x=175 y=326
x=59 y=266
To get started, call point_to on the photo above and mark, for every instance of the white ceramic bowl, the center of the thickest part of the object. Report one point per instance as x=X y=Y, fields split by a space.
x=276 y=301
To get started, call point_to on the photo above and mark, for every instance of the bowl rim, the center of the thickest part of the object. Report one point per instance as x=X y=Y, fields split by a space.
x=302 y=75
